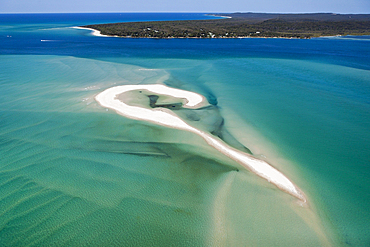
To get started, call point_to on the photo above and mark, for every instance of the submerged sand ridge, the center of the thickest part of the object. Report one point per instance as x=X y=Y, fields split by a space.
x=133 y=101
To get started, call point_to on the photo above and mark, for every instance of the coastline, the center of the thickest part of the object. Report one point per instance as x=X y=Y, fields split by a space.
x=97 y=33
x=223 y=16
x=94 y=32
x=243 y=25
x=165 y=117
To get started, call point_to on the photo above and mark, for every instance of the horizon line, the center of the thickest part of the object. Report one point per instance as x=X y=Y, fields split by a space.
x=183 y=12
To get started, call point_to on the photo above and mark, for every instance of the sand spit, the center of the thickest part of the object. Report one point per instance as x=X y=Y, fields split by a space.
x=223 y=16
x=168 y=118
x=94 y=31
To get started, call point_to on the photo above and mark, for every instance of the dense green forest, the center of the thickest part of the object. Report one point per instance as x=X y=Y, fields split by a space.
x=245 y=25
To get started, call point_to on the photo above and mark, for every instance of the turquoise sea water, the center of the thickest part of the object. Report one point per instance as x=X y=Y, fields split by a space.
x=73 y=173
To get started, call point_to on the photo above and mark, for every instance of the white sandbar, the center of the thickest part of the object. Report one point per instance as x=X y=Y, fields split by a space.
x=166 y=117
x=94 y=31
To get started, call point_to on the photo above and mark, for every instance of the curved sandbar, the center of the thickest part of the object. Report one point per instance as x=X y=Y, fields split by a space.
x=168 y=118
x=93 y=31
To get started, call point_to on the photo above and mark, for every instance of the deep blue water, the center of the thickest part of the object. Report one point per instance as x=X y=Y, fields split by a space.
x=95 y=18
x=310 y=99
x=27 y=31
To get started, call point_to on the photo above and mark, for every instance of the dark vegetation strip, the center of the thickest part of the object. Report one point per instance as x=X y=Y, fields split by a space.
x=245 y=25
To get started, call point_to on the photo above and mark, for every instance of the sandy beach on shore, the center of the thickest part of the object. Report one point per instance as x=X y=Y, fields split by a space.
x=94 y=31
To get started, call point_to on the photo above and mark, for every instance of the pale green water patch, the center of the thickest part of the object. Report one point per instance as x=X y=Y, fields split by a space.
x=153 y=198
x=72 y=173
x=79 y=174
x=315 y=115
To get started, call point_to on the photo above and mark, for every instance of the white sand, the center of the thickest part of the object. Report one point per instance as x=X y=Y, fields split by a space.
x=166 y=117
x=228 y=17
x=94 y=32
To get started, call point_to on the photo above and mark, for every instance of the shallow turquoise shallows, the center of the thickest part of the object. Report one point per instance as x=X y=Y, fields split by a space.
x=73 y=173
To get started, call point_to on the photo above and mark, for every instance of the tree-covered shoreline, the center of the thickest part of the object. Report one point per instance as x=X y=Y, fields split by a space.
x=244 y=25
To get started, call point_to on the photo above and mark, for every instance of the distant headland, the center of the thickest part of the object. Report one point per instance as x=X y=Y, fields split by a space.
x=245 y=25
